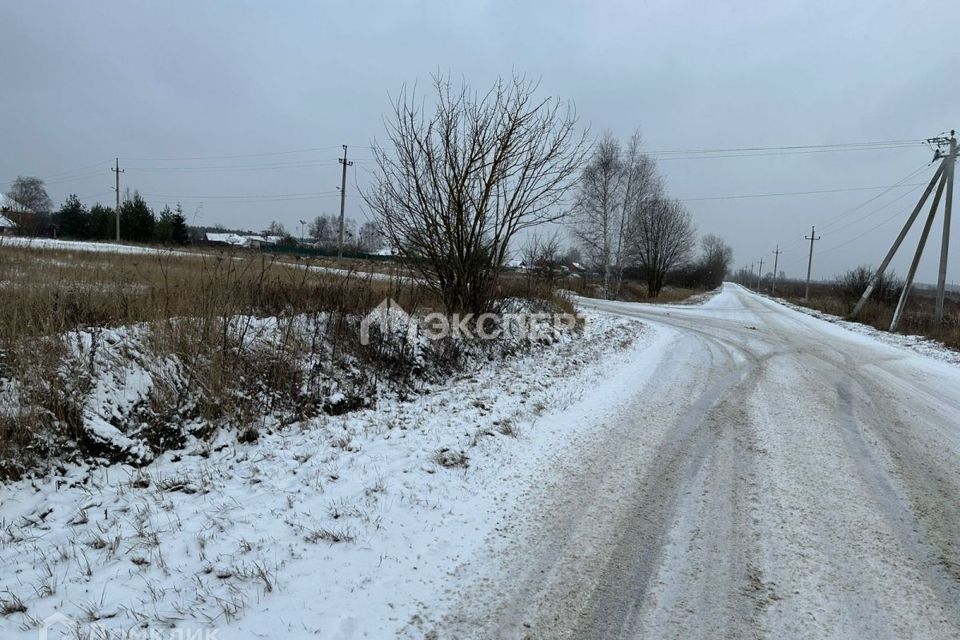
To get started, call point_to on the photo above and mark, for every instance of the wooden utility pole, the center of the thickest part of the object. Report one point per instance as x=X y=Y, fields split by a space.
x=117 y=170
x=760 y=274
x=951 y=161
x=813 y=238
x=343 y=198
x=776 y=261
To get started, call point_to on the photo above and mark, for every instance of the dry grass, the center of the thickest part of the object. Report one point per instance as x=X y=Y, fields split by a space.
x=227 y=337
x=633 y=291
x=202 y=310
x=917 y=317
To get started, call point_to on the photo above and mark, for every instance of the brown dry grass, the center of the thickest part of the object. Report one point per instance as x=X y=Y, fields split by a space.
x=199 y=309
x=917 y=317
x=634 y=291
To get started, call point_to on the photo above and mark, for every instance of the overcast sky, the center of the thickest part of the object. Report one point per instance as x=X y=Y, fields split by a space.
x=161 y=84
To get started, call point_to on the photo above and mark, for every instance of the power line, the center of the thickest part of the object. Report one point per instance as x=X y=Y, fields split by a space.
x=792 y=193
x=84 y=176
x=843 y=145
x=252 y=197
x=85 y=169
x=234 y=156
x=833 y=220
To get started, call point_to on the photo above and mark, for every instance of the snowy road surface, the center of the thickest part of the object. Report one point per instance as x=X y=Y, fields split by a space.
x=775 y=477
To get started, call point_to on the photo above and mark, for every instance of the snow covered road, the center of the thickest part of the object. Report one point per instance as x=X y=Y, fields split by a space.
x=777 y=476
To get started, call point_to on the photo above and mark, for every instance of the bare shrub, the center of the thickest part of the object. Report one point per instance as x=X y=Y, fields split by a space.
x=455 y=186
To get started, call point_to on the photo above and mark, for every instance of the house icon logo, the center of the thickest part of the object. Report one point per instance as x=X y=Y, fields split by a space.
x=59 y=627
x=389 y=317
x=49 y=628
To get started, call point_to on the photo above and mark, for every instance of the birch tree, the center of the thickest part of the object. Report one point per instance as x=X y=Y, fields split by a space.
x=597 y=214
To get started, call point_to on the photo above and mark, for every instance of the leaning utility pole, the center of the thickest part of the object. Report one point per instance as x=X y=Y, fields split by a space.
x=776 y=261
x=943 y=179
x=813 y=238
x=945 y=245
x=760 y=274
x=908 y=283
x=117 y=170
x=343 y=198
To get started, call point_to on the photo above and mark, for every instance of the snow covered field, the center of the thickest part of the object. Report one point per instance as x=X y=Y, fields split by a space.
x=735 y=468
x=343 y=527
x=77 y=245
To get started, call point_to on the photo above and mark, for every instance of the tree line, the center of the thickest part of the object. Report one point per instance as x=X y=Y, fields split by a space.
x=457 y=181
x=32 y=210
x=625 y=223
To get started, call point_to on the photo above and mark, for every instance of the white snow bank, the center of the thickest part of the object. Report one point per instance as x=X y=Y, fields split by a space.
x=340 y=527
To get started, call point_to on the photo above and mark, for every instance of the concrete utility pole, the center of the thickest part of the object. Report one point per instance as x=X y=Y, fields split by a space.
x=343 y=198
x=951 y=161
x=776 y=261
x=813 y=238
x=875 y=279
x=117 y=170
x=943 y=178
x=911 y=274
x=760 y=274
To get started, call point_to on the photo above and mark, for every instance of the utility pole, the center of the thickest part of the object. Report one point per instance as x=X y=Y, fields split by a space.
x=343 y=198
x=912 y=272
x=117 y=170
x=945 y=246
x=813 y=238
x=943 y=180
x=760 y=274
x=776 y=261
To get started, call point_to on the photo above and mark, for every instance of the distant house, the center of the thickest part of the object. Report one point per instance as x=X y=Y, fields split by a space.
x=11 y=206
x=7 y=226
x=224 y=239
x=242 y=241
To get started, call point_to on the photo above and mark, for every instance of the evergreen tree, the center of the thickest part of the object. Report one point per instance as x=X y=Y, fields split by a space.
x=73 y=220
x=178 y=232
x=163 y=230
x=136 y=219
x=102 y=225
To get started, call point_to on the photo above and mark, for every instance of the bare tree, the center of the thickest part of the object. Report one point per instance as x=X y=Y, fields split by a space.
x=454 y=186
x=29 y=196
x=613 y=184
x=30 y=205
x=544 y=256
x=370 y=238
x=715 y=260
x=324 y=229
x=661 y=238
x=597 y=214
x=641 y=183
